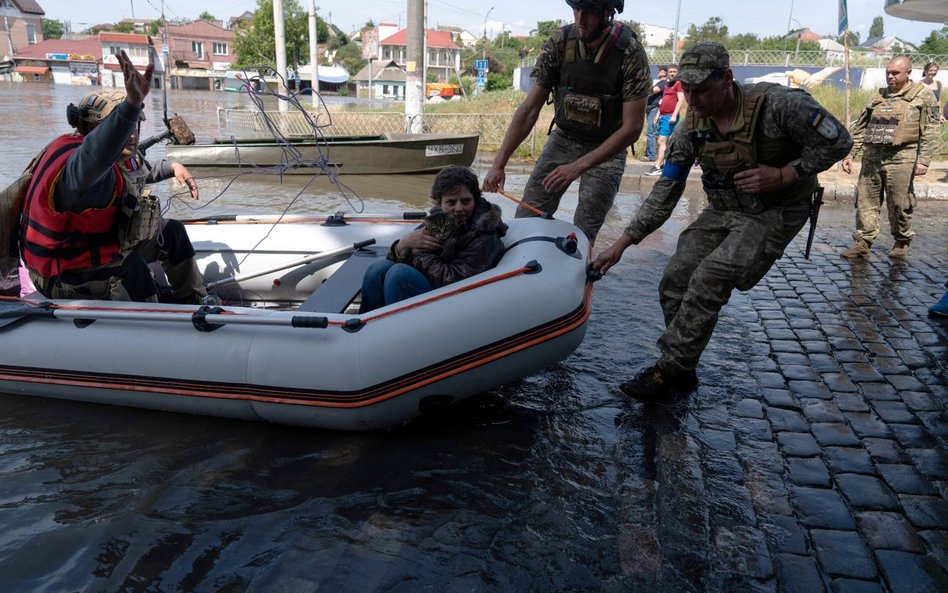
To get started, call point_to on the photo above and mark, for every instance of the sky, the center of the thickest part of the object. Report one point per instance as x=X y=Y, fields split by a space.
x=763 y=17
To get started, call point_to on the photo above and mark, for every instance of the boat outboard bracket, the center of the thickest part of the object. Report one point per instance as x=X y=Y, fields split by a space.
x=199 y=318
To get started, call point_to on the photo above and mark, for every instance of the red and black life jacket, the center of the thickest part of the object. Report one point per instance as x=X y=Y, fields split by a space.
x=54 y=242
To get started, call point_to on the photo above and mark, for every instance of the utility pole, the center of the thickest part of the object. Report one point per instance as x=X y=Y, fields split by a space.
x=279 y=32
x=314 y=52
x=415 y=67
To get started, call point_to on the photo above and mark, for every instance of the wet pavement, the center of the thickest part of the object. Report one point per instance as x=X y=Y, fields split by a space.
x=813 y=455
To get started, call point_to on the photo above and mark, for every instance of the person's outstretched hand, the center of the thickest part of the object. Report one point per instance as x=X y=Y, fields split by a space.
x=137 y=84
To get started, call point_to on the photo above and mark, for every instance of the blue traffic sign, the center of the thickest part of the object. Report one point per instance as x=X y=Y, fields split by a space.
x=481 y=65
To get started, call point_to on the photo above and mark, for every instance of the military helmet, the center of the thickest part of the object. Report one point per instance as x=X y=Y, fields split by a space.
x=95 y=107
x=597 y=4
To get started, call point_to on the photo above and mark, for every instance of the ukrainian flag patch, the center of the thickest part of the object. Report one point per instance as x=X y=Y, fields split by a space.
x=823 y=125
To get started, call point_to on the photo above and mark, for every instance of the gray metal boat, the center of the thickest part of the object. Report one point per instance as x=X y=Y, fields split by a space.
x=389 y=153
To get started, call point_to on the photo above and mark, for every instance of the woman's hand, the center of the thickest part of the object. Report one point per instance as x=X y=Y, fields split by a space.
x=416 y=240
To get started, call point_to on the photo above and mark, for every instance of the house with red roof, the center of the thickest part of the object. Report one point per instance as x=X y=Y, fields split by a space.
x=140 y=50
x=62 y=61
x=442 y=56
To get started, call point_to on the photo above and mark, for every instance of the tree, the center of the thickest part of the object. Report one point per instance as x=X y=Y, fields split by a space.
x=349 y=56
x=853 y=39
x=255 y=44
x=206 y=16
x=636 y=28
x=936 y=43
x=52 y=29
x=713 y=29
x=742 y=41
x=877 y=29
x=545 y=29
x=125 y=27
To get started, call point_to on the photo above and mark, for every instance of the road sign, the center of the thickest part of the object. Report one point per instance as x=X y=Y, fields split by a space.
x=480 y=65
x=481 y=79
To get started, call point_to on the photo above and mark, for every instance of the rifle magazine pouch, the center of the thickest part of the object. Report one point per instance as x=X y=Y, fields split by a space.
x=142 y=222
x=582 y=109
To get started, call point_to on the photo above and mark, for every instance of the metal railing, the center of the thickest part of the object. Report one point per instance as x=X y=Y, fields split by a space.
x=490 y=126
x=767 y=57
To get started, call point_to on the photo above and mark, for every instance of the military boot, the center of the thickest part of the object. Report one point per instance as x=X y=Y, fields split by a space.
x=900 y=251
x=859 y=249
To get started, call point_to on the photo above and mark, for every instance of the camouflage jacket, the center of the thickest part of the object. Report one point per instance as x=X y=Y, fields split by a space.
x=636 y=79
x=789 y=115
x=928 y=118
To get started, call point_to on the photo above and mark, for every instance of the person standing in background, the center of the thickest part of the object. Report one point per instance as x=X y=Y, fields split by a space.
x=671 y=104
x=651 y=115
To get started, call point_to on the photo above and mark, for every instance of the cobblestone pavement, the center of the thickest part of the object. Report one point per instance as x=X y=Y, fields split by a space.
x=813 y=455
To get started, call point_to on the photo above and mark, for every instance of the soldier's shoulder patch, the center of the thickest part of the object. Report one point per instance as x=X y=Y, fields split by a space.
x=824 y=125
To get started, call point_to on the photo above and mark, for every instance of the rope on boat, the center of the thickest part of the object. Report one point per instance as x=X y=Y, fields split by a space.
x=529 y=207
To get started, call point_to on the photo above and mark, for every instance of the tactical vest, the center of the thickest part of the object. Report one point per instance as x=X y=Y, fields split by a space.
x=894 y=120
x=54 y=242
x=588 y=98
x=743 y=149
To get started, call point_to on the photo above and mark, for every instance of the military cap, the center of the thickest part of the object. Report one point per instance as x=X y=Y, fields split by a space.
x=699 y=60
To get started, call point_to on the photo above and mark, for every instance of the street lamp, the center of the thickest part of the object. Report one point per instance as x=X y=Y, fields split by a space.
x=485 y=31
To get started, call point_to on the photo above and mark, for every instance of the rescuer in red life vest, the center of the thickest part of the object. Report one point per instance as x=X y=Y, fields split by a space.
x=90 y=227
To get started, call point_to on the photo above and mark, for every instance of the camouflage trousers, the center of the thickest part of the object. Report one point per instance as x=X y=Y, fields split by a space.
x=720 y=251
x=131 y=280
x=597 y=186
x=886 y=175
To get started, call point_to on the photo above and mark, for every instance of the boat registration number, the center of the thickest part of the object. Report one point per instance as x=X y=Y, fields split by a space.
x=443 y=149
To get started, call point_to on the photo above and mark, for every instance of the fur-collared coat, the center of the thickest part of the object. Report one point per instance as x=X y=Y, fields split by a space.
x=474 y=247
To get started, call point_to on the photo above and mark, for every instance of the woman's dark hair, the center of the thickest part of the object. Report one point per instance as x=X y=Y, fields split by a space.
x=452 y=178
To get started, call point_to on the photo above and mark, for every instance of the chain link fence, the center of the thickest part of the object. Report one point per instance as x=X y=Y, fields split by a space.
x=491 y=127
x=791 y=58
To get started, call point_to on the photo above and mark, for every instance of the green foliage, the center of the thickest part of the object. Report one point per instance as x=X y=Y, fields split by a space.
x=636 y=28
x=853 y=39
x=545 y=29
x=206 y=16
x=255 y=44
x=124 y=28
x=52 y=29
x=713 y=29
x=936 y=43
x=877 y=28
x=742 y=41
x=466 y=82
x=497 y=82
x=349 y=56
x=154 y=27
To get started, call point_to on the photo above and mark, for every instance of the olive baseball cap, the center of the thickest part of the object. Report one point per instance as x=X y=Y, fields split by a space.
x=699 y=60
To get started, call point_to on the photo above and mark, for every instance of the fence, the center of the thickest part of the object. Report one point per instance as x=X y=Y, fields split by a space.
x=490 y=126
x=764 y=57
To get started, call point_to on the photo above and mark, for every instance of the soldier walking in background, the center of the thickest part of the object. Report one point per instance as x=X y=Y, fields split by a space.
x=897 y=135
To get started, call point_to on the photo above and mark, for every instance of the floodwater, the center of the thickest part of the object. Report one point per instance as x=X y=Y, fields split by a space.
x=553 y=483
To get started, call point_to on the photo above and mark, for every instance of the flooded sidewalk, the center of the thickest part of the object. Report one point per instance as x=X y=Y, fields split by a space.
x=813 y=455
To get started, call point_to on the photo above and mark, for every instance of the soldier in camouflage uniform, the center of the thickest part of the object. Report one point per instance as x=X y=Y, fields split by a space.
x=598 y=74
x=760 y=148
x=897 y=135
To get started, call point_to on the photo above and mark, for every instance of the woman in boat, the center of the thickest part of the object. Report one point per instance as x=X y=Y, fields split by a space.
x=422 y=261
